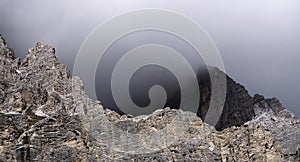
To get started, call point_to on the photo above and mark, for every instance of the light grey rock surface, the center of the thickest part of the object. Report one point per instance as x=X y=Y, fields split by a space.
x=284 y=126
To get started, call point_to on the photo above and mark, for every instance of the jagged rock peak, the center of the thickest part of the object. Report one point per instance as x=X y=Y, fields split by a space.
x=46 y=116
x=6 y=52
x=2 y=41
x=41 y=53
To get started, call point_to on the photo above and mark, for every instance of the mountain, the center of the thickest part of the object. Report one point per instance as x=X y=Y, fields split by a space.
x=46 y=116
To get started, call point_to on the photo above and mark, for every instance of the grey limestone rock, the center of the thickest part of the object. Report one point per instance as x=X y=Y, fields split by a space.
x=46 y=116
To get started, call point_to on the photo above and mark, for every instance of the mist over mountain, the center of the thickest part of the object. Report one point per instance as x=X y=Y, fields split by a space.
x=258 y=40
x=248 y=111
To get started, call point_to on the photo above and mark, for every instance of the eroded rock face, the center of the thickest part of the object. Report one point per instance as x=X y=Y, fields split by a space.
x=238 y=107
x=284 y=126
x=46 y=116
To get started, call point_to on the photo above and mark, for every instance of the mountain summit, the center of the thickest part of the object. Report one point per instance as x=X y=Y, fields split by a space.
x=46 y=116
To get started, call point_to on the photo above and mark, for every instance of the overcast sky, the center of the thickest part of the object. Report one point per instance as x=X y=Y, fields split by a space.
x=259 y=40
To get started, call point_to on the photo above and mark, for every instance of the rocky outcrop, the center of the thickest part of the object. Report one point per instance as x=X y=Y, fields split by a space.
x=46 y=116
x=284 y=126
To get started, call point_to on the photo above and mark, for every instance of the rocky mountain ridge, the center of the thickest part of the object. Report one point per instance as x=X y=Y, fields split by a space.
x=46 y=116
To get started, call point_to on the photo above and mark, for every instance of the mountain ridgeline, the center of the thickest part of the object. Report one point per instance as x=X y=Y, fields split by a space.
x=46 y=116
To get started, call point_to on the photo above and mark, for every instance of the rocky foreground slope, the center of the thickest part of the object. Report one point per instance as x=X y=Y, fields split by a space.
x=46 y=116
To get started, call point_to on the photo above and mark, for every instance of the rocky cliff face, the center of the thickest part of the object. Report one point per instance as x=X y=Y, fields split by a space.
x=46 y=116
